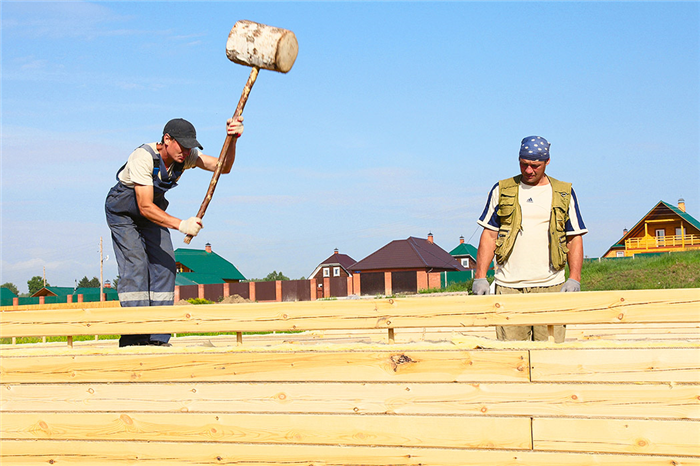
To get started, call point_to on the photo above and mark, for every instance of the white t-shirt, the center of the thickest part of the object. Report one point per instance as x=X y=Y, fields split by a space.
x=529 y=262
x=139 y=166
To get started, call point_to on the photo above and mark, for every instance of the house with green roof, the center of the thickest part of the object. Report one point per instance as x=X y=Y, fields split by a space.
x=665 y=228
x=204 y=267
x=60 y=293
x=465 y=254
x=6 y=293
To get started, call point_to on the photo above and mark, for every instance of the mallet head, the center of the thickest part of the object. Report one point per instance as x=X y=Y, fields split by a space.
x=262 y=46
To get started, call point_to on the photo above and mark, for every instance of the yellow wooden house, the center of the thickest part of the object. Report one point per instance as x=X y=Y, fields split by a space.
x=664 y=228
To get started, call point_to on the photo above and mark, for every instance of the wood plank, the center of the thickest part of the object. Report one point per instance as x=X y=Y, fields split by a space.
x=677 y=305
x=629 y=365
x=485 y=399
x=316 y=429
x=659 y=437
x=144 y=364
x=30 y=452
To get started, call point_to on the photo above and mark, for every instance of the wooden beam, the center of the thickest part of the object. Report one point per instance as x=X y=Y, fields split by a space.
x=140 y=364
x=295 y=429
x=678 y=305
x=617 y=436
x=672 y=365
x=624 y=400
x=209 y=454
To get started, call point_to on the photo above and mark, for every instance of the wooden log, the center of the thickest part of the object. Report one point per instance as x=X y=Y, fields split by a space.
x=660 y=401
x=146 y=365
x=208 y=454
x=618 y=436
x=668 y=306
x=299 y=429
x=630 y=365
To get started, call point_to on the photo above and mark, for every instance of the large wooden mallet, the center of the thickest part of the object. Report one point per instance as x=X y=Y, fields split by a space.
x=259 y=46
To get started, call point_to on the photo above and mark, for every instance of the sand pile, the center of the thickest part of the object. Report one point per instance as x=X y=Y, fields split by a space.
x=234 y=299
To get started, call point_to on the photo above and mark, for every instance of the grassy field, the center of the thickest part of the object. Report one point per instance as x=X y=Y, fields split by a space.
x=676 y=270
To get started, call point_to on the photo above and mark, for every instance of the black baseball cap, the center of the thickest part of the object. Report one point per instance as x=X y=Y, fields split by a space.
x=183 y=132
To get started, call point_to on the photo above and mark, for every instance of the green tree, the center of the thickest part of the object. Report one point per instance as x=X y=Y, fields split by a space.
x=85 y=283
x=35 y=284
x=11 y=287
x=274 y=276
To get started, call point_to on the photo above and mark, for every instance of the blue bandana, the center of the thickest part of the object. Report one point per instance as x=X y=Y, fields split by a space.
x=534 y=148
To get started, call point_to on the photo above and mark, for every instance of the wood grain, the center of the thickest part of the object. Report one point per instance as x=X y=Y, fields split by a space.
x=618 y=436
x=302 y=366
x=630 y=365
x=317 y=429
x=30 y=452
x=661 y=401
x=668 y=306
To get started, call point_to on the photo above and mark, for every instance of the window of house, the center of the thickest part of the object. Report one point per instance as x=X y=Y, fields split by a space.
x=336 y=271
x=679 y=231
x=326 y=272
x=465 y=262
x=660 y=232
x=620 y=254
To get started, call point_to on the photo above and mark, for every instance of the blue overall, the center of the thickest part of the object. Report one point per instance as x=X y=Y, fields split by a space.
x=144 y=250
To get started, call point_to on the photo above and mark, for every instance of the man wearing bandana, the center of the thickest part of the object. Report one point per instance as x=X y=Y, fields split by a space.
x=533 y=226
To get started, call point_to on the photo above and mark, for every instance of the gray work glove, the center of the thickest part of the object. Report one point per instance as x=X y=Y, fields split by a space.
x=481 y=286
x=571 y=285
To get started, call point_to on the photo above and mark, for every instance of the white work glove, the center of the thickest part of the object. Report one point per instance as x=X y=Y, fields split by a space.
x=234 y=127
x=191 y=226
x=481 y=286
x=571 y=285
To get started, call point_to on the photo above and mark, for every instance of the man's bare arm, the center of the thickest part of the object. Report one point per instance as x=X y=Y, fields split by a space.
x=485 y=253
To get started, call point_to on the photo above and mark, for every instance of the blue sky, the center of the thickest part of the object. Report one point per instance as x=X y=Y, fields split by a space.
x=395 y=121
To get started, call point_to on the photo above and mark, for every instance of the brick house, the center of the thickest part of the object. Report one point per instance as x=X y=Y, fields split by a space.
x=334 y=274
x=403 y=266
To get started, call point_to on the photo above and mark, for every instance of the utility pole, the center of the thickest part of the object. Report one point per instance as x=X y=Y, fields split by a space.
x=102 y=296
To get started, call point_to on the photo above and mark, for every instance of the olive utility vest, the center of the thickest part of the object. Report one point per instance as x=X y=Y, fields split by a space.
x=510 y=216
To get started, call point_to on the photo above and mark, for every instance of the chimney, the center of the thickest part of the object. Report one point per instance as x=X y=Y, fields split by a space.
x=681 y=204
x=430 y=238
x=624 y=232
x=107 y=284
x=335 y=251
x=461 y=240
x=207 y=247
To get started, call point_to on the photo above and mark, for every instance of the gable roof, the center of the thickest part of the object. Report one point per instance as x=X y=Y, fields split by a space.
x=464 y=249
x=660 y=210
x=54 y=291
x=411 y=253
x=202 y=262
x=343 y=260
x=6 y=293
x=194 y=278
x=64 y=291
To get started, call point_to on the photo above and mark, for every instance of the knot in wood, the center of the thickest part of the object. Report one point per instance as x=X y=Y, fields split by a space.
x=391 y=301
x=398 y=359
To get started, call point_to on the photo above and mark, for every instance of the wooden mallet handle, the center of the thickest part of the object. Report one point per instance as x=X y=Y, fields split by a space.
x=224 y=150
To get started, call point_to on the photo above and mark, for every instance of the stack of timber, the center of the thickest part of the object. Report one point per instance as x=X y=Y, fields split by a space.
x=303 y=399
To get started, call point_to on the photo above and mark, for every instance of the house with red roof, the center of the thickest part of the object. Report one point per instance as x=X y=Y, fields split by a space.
x=403 y=266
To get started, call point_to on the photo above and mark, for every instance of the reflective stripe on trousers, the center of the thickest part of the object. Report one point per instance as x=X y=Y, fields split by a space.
x=144 y=253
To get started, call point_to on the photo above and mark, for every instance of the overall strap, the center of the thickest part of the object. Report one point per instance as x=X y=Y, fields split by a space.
x=156 y=158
